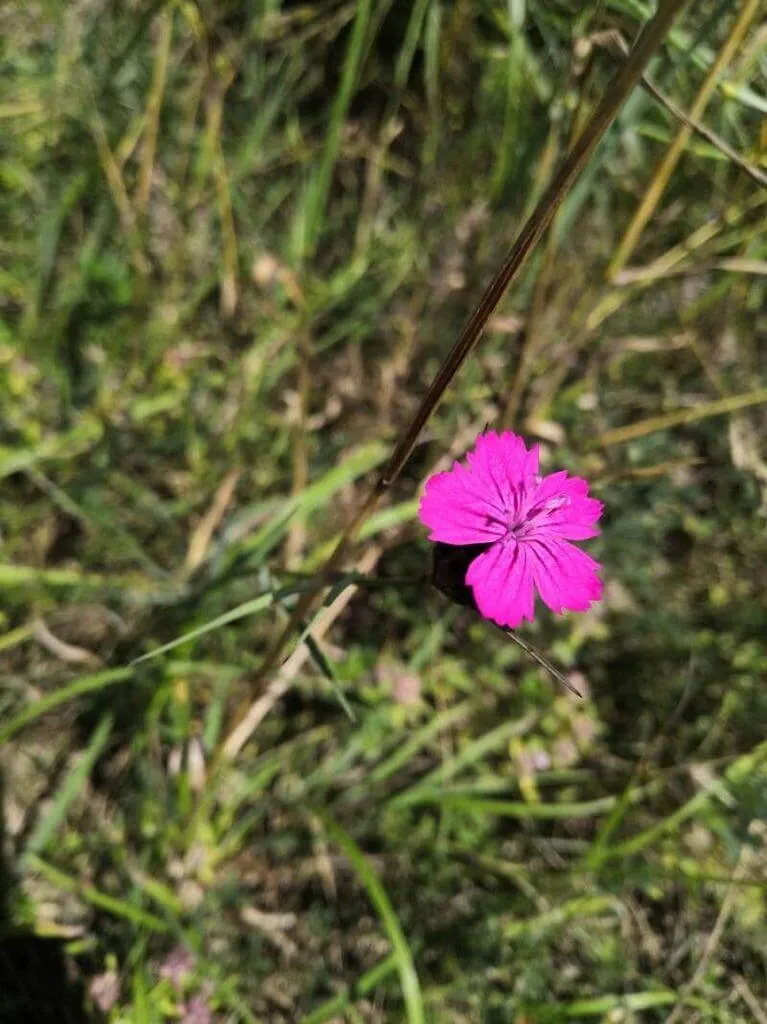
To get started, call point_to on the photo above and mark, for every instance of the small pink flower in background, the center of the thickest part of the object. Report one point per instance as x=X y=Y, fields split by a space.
x=526 y=522
x=404 y=685
x=104 y=990
x=406 y=689
x=197 y=1011
x=177 y=966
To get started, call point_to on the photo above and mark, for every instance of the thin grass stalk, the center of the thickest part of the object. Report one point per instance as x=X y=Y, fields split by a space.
x=312 y=213
x=119 y=192
x=154 y=105
x=229 y=286
x=389 y=129
x=217 y=84
x=720 y=407
x=531 y=335
x=629 y=281
x=296 y=538
x=307 y=229
x=624 y=81
x=614 y=43
x=666 y=167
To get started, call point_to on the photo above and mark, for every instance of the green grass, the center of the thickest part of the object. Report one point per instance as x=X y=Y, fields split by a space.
x=238 y=239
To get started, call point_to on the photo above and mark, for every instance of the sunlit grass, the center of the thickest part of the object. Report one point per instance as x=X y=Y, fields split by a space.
x=238 y=240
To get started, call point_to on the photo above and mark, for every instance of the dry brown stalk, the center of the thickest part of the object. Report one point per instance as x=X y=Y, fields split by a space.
x=624 y=81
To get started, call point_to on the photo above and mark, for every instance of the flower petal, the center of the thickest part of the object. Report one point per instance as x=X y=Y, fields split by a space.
x=502 y=582
x=504 y=467
x=457 y=510
x=487 y=464
x=565 y=577
x=575 y=517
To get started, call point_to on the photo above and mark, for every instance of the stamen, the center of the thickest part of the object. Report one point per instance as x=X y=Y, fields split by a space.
x=560 y=501
x=535 y=514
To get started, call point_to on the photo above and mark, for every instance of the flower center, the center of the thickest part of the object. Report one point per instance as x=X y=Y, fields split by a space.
x=535 y=516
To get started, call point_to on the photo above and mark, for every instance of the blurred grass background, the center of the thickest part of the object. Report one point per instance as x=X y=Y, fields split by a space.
x=238 y=237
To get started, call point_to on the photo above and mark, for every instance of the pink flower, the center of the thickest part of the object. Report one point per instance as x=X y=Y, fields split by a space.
x=178 y=964
x=197 y=1011
x=525 y=522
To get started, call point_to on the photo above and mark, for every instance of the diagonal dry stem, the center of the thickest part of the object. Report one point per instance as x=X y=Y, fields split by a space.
x=260 y=708
x=623 y=82
x=540 y=219
x=203 y=534
x=721 y=407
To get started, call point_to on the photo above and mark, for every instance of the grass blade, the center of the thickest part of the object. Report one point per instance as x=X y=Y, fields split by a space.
x=510 y=808
x=411 y=989
x=76 y=688
x=472 y=753
x=71 y=787
x=90 y=894
x=365 y=984
x=582 y=906
x=308 y=225
x=258 y=604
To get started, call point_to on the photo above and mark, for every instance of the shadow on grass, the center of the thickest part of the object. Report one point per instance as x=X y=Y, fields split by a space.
x=38 y=982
